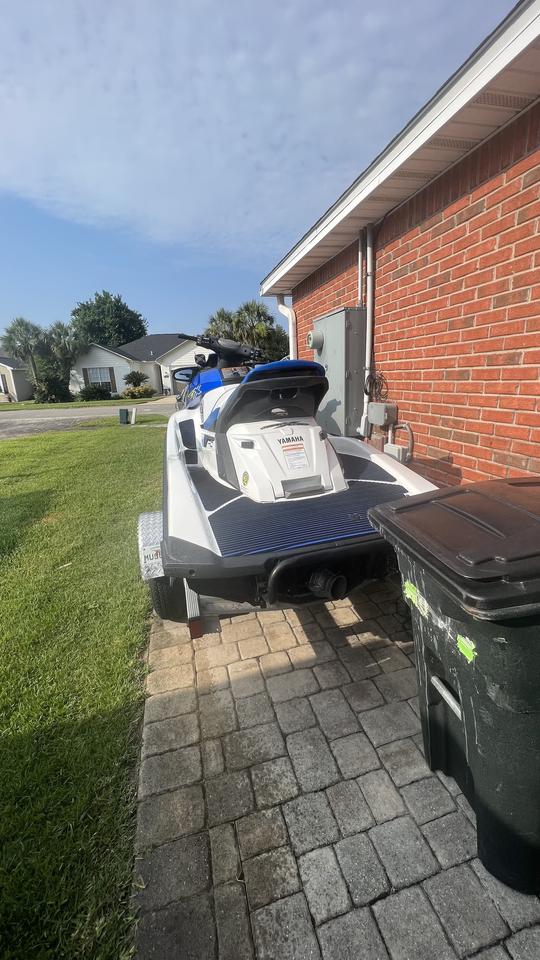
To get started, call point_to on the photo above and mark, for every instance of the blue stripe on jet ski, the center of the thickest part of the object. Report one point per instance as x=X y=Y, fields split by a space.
x=278 y=366
x=210 y=421
x=243 y=527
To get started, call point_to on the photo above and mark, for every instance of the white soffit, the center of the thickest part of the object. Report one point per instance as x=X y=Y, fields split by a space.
x=499 y=81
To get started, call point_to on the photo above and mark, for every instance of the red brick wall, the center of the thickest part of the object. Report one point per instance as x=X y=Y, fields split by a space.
x=457 y=310
x=333 y=285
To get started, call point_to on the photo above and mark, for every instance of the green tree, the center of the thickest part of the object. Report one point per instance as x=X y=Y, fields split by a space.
x=23 y=339
x=107 y=319
x=277 y=343
x=251 y=323
x=221 y=323
x=62 y=347
x=50 y=355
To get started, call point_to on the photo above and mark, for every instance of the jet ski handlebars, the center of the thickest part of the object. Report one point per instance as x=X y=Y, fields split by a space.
x=227 y=351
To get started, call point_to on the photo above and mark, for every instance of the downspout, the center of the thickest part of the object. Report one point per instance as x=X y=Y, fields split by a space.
x=360 y=268
x=370 y=304
x=289 y=313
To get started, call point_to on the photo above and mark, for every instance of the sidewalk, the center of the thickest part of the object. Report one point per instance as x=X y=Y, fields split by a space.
x=166 y=401
x=286 y=811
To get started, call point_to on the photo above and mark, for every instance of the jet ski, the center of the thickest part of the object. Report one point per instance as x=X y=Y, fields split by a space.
x=261 y=507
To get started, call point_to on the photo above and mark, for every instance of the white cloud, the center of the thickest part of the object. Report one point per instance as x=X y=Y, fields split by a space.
x=228 y=126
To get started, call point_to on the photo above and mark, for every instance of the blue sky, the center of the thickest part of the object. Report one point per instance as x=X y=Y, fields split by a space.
x=174 y=151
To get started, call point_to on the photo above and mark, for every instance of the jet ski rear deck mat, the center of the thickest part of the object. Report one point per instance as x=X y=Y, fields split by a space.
x=242 y=527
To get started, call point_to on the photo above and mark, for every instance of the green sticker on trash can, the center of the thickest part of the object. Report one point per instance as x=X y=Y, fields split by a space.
x=413 y=594
x=466 y=647
x=410 y=591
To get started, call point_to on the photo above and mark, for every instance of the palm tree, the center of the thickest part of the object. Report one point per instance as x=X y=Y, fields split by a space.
x=221 y=324
x=252 y=320
x=64 y=347
x=251 y=323
x=22 y=339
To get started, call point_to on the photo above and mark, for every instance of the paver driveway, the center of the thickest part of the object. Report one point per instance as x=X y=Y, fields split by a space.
x=286 y=811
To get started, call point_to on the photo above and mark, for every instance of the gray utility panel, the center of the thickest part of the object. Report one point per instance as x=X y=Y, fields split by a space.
x=382 y=414
x=339 y=341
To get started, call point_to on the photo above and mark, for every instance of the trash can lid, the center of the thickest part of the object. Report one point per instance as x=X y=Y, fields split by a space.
x=480 y=540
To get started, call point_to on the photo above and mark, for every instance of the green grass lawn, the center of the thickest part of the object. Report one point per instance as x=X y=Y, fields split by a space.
x=73 y=616
x=31 y=405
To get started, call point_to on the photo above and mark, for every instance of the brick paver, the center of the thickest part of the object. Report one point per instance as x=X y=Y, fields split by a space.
x=285 y=809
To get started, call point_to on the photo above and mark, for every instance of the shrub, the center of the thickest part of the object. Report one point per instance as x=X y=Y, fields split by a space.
x=138 y=393
x=135 y=378
x=52 y=389
x=94 y=391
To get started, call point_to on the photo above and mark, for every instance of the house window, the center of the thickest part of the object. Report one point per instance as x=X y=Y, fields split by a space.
x=101 y=375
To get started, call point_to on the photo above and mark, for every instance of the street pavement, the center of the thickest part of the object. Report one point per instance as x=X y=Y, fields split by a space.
x=25 y=423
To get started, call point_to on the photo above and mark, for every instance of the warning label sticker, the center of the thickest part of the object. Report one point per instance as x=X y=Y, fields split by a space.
x=295 y=456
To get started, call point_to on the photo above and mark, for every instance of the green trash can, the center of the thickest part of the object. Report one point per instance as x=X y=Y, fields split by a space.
x=123 y=415
x=469 y=558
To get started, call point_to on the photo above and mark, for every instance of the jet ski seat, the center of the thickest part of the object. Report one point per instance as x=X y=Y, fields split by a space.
x=282 y=390
x=283 y=368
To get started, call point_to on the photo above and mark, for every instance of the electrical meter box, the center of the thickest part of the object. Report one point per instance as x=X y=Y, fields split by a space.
x=382 y=414
x=339 y=342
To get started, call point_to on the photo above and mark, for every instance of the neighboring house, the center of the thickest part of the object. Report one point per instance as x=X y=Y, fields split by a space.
x=157 y=355
x=13 y=382
x=453 y=205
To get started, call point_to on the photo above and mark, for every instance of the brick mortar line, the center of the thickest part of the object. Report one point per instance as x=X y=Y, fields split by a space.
x=492 y=946
x=206 y=828
x=419 y=885
x=176 y=645
x=164 y=792
x=141 y=856
x=162 y=753
x=173 y=716
x=489 y=946
x=289 y=845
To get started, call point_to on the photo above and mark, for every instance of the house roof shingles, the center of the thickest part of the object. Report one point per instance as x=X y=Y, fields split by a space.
x=151 y=347
x=13 y=363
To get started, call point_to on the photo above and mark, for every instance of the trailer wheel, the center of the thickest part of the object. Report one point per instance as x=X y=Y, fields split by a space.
x=168 y=598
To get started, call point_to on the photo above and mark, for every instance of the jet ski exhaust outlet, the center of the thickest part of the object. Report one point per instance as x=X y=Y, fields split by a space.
x=326 y=585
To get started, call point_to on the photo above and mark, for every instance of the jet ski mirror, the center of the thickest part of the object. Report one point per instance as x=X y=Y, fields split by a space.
x=184 y=374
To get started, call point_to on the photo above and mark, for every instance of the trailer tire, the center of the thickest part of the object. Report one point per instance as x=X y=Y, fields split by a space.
x=169 y=598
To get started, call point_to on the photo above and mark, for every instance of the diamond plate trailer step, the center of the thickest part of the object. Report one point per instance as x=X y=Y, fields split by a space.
x=150 y=535
x=202 y=611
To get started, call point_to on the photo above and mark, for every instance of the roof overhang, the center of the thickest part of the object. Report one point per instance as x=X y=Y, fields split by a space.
x=114 y=352
x=499 y=81
x=118 y=352
x=11 y=366
x=165 y=354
